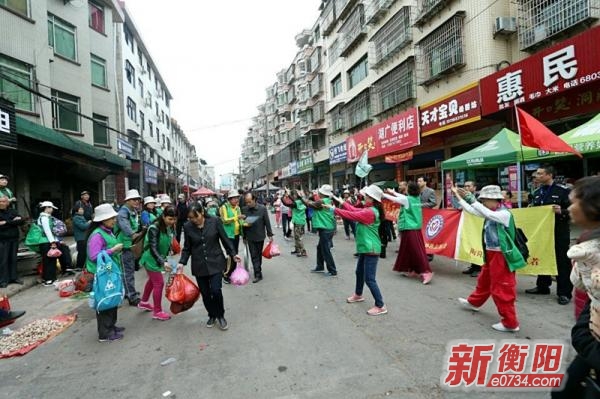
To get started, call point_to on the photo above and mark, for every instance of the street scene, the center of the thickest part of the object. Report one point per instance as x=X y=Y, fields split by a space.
x=300 y=198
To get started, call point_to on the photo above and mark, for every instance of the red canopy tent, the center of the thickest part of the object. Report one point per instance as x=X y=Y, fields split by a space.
x=203 y=192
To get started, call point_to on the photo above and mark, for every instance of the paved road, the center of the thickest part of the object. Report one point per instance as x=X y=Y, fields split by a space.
x=290 y=336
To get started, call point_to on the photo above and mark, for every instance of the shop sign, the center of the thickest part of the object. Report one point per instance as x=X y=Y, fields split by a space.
x=285 y=172
x=124 y=147
x=305 y=164
x=456 y=109
x=293 y=166
x=394 y=134
x=150 y=173
x=397 y=158
x=337 y=153
x=582 y=100
x=572 y=63
x=8 y=129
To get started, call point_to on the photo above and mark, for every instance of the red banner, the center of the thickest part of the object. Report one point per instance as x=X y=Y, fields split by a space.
x=569 y=64
x=391 y=210
x=394 y=134
x=455 y=109
x=397 y=158
x=440 y=228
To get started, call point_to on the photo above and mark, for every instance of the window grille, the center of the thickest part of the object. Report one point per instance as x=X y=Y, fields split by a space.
x=426 y=9
x=376 y=9
x=352 y=30
x=394 y=88
x=357 y=110
x=318 y=112
x=315 y=59
x=336 y=119
x=540 y=20
x=316 y=86
x=334 y=52
x=441 y=52
x=391 y=38
x=328 y=18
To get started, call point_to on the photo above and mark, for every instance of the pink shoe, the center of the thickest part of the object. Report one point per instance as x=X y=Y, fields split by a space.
x=161 y=316
x=355 y=298
x=409 y=274
x=376 y=311
x=145 y=306
x=427 y=277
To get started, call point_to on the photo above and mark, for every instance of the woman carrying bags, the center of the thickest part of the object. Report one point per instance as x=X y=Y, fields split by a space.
x=501 y=256
x=51 y=241
x=157 y=245
x=203 y=237
x=101 y=238
x=368 y=244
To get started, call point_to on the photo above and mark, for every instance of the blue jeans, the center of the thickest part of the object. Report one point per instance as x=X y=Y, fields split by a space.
x=366 y=269
x=324 y=251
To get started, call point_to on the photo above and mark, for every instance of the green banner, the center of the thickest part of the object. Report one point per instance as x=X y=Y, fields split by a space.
x=305 y=164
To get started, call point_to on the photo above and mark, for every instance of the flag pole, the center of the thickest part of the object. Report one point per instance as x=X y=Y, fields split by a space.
x=519 y=163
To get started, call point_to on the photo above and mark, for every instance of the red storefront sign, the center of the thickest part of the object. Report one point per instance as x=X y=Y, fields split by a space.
x=394 y=134
x=581 y=100
x=564 y=66
x=455 y=109
x=397 y=158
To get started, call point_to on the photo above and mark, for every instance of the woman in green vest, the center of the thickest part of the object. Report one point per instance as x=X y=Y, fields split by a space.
x=157 y=245
x=368 y=244
x=325 y=225
x=231 y=213
x=101 y=238
x=412 y=257
x=149 y=214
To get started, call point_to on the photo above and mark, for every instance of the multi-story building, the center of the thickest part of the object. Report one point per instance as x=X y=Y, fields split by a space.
x=415 y=82
x=182 y=152
x=57 y=66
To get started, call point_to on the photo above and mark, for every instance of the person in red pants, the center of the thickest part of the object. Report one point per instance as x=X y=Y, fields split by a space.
x=501 y=259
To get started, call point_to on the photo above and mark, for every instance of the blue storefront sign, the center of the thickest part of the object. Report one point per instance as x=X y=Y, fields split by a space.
x=150 y=173
x=125 y=148
x=338 y=153
x=293 y=168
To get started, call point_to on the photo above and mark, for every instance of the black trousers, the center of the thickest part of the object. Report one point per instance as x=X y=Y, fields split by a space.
x=49 y=264
x=564 y=287
x=212 y=296
x=230 y=262
x=81 y=254
x=285 y=224
x=179 y=229
x=8 y=260
x=256 y=248
x=106 y=322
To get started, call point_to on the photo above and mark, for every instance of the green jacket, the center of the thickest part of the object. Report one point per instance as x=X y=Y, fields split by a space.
x=511 y=253
x=230 y=218
x=299 y=213
x=323 y=218
x=110 y=241
x=148 y=260
x=367 y=236
x=133 y=224
x=411 y=218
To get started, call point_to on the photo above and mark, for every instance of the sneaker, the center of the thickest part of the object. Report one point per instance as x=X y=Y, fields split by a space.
x=376 y=311
x=145 y=306
x=467 y=305
x=294 y=252
x=226 y=280
x=162 y=316
x=134 y=302
x=119 y=329
x=427 y=277
x=223 y=323
x=355 y=298
x=317 y=270
x=211 y=322
x=113 y=337
x=502 y=328
x=48 y=283
x=330 y=274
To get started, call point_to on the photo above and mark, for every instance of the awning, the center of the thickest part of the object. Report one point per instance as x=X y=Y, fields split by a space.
x=51 y=136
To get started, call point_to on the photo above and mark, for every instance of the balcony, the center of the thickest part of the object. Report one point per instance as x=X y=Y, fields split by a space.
x=343 y=7
x=539 y=21
x=356 y=112
x=427 y=9
x=328 y=19
x=315 y=87
x=395 y=88
x=395 y=35
x=376 y=10
x=352 y=31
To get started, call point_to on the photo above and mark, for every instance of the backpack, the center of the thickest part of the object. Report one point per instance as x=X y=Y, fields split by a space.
x=521 y=243
x=108 y=290
x=59 y=227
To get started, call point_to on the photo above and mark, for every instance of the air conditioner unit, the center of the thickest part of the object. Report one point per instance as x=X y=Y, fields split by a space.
x=505 y=25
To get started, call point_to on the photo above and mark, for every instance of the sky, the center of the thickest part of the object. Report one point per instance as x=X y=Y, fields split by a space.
x=217 y=59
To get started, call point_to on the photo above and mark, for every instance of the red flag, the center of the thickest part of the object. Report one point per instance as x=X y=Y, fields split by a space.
x=535 y=134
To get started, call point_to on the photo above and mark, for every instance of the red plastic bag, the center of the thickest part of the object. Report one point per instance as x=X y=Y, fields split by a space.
x=267 y=251
x=5 y=305
x=175 y=247
x=275 y=249
x=240 y=275
x=182 y=290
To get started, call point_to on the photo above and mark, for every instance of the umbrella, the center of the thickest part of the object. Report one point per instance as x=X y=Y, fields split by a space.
x=264 y=188
x=386 y=184
x=203 y=192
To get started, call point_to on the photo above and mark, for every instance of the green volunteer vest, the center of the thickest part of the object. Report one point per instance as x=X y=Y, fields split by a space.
x=299 y=213
x=411 y=218
x=367 y=236
x=126 y=241
x=513 y=257
x=323 y=218
x=164 y=245
x=231 y=227
x=159 y=211
x=111 y=241
x=5 y=192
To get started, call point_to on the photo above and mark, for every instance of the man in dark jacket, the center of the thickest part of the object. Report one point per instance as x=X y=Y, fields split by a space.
x=84 y=202
x=256 y=222
x=9 y=243
x=549 y=193
x=182 y=211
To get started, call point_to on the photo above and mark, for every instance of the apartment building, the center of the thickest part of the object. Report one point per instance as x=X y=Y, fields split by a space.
x=57 y=70
x=414 y=82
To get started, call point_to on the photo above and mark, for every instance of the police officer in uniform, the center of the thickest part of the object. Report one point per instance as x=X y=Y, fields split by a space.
x=550 y=193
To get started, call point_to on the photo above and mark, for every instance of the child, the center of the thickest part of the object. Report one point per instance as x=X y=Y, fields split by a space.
x=80 y=226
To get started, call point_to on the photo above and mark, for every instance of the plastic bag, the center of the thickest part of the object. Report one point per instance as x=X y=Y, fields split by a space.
x=66 y=288
x=240 y=275
x=267 y=250
x=83 y=281
x=5 y=305
x=275 y=249
x=175 y=247
x=182 y=290
x=54 y=253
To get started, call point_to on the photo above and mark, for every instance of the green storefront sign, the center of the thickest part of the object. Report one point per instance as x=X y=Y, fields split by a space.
x=305 y=164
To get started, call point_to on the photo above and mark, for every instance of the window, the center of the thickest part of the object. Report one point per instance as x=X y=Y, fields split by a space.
x=336 y=86
x=157 y=109
x=98 y=71
x=141 y=86
x=168 y=123
x=101 y=130
x=162 y=116
x=358 y=72
x=65 y=112
x=131 y=109
x=357 y=110
x=142 y=122
x=392 y=37
x=140 y=58
x=149 y=70
x=130 y=73
x=168 y=144
x=19 y=72
x=158 y=135
x=20 y=6
x=394 y=88
x=128 y=37
x=62 y=38
x=96 y=17
x=151 y=128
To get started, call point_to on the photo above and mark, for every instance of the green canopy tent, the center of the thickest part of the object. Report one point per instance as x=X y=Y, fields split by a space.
x=502 y=149
x=584 y=138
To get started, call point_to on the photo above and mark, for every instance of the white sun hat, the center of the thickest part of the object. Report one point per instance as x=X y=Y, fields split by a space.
x=233 y=194
x=326 y=190
x=47 y=204
x=148 y=200
x=165 y=200
x=104 y=212
x=132 y=194
x=373 y=191
x=491 y=192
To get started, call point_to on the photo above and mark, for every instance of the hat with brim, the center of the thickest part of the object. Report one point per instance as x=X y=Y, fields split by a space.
x=233 y=194
x=3 y=177
x=104 y=212
x=165 y=200
x=132 y=194
x=181 y=196
x=326 y=190
x=84 y=193
x=148 y=200
x=47 y=204
x=491 y=192
x=373 y=191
